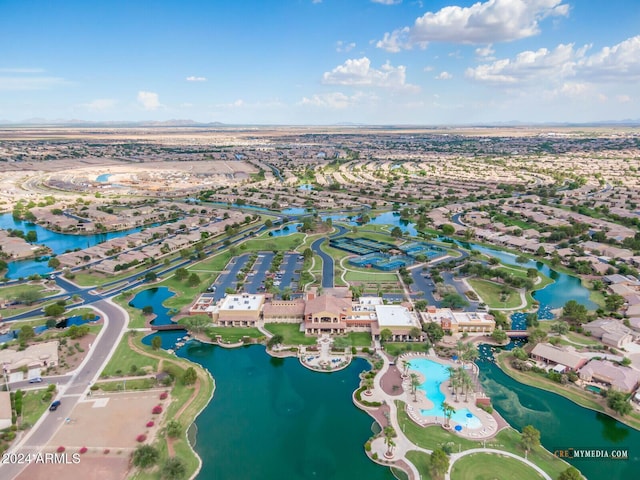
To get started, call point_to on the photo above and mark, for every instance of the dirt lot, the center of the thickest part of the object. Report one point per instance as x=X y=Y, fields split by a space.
x=111 y=466
x=107 y=424
x=110 y=421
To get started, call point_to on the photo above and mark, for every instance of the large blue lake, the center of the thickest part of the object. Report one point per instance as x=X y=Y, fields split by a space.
x=273 y=419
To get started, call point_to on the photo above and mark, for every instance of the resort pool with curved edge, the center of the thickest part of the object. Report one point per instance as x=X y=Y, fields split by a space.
x=434 y=374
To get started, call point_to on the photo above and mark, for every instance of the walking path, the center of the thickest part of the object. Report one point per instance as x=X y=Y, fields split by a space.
x=387 y=415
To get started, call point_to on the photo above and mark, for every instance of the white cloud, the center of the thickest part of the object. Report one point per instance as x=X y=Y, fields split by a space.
x=387 y=2
x=99 y=104
x=444 y=76
x=196 y=79
x=336 y=100
x=619 y=63
x=488 y=22
x=149 y=100
x=31 y=83
x=528 y=65
x=487 y=51
x=358 y=72
x=622 y=61
x=623 y=98
x=344 y=46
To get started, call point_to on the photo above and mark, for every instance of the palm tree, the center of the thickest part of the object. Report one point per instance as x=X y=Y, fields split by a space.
x=405 y=367
x=415 y=383
x=470 y=353
x=448 y=412
x=389 y=433
x=465 y=382
x=368 y=383
x=460 y=347
x=454 y=381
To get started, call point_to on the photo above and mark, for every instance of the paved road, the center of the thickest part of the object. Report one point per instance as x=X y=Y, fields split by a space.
x=327 y=260
x=327 y=263
x=75 y=387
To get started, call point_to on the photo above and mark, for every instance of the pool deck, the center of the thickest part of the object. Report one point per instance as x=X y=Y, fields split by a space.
x=390 y=385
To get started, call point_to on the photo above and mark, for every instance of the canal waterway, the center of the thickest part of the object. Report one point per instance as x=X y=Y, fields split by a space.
x=57 y=242
x=562 y=423
x=274 y=419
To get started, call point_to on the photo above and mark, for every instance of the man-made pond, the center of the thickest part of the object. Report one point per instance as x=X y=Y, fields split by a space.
x=104 y=178
x=392 y=219
x=288 y=229
x=57 y=242
x=562 y=423
x=274 y=419
x=67 y=322
x=154 y=297
x=565 y=287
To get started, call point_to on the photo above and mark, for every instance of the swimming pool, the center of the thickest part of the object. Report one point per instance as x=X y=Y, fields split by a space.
x=434 y=374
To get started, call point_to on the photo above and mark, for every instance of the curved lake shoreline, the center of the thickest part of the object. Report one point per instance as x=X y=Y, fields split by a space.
x=273 y=418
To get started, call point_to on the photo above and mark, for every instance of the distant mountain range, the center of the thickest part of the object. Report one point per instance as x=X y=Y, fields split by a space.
x=62 y=122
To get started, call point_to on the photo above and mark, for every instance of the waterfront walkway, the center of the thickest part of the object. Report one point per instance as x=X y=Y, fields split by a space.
x=386 y=391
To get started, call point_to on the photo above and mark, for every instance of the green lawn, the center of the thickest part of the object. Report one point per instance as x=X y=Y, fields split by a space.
x=33 y=406
x=291 y=333
x=370 y=276
x=434 y=437
x=233 y=334
x=396 y=348
x=490 y=294
x=9 y=293
x=123 y=358
x=421 y=461
x=487 y=466
x=359 y=339
x=286 y=243
x=131 y=384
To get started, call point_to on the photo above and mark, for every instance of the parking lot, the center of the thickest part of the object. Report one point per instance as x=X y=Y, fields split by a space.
x=287 y=276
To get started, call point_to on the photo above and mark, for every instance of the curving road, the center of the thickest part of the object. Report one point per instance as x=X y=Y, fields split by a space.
x=73 y=387
x=327 y=260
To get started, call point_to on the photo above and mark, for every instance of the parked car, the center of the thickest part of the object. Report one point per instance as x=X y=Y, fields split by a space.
x=35 y=380
x=54 y=406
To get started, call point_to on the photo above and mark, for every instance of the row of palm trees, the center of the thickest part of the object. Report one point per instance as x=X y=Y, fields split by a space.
x=460 y=381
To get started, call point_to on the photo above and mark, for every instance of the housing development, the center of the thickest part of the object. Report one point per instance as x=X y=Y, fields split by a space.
x=170 y=295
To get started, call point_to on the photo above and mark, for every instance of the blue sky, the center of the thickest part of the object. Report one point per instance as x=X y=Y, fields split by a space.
x=320 y=62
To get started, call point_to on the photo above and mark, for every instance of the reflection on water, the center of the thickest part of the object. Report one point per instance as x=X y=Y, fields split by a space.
x=562 y=423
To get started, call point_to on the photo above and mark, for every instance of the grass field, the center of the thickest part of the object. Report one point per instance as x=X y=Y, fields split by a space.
x=291 y=333
x=359 y=339
x=421 y=461
x=487 y=466
x=33 y=406
x=131 y=384
x=10 y=293
x=490 y=294
x=264 y=242
x=396 y=348
x=434 y=437
x=233 y=334
x=123 y=358
x=370 y=276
